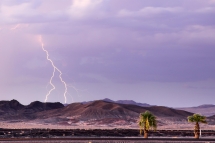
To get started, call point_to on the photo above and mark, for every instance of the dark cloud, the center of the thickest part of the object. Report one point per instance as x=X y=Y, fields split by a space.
x=102 y=43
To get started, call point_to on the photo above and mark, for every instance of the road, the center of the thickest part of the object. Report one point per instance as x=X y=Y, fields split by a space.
x=106 y=140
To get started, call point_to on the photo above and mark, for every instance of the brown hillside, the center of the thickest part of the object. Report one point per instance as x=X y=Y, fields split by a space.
x=98 y=110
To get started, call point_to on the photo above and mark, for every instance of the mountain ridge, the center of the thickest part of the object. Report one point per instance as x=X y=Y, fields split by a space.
x=204 y=109
x=98 y=112
x=123 y=102
x=14 y=110
x=104 y=112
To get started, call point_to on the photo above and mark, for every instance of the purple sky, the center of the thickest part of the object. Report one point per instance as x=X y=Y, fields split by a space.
x=150 y=51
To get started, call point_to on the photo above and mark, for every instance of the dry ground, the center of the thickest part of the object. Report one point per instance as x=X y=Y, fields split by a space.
x=82 y=125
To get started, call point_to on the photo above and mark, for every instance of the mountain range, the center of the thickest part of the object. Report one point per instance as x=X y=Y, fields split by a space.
x=12 y=110
x=122 y=102
x=206 y=109
x=99 y=112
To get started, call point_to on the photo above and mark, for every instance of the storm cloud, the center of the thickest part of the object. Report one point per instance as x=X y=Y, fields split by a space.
x=119 y=49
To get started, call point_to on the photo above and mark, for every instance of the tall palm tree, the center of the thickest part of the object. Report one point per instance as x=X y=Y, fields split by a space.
x=147 y=121
x=197 y=118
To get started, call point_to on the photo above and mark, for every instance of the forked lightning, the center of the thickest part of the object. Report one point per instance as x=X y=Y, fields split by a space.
x=53 y=74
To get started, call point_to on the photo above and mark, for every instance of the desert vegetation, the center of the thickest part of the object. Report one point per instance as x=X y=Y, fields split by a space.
x=197 y=118
x=147 y=121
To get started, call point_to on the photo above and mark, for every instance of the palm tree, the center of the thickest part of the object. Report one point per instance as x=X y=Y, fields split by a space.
x=197 y=118
x=147 y=121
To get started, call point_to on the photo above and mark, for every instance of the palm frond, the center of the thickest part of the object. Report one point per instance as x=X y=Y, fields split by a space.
x=148 y=121
x=197 y=118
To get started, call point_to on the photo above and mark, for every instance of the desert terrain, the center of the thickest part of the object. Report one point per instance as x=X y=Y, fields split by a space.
x=100 y=114
x=100 y=121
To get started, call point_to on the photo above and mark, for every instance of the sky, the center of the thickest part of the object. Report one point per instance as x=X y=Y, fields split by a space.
x=150 y=51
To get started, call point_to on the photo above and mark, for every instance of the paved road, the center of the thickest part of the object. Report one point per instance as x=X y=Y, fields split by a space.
x=105 y=140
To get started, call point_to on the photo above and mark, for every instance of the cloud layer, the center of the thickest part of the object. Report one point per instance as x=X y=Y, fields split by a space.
x=100 y=44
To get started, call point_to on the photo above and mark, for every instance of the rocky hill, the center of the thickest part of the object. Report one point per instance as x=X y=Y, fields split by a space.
x=103 y=112
x=98 y=112
x=122 y=102
x=13 y=110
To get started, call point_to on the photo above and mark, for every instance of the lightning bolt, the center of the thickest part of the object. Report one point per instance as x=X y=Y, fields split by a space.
x=53 y=73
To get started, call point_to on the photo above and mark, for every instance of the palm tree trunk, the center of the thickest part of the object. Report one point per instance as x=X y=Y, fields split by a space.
x=146 y=133
x=196 y=130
